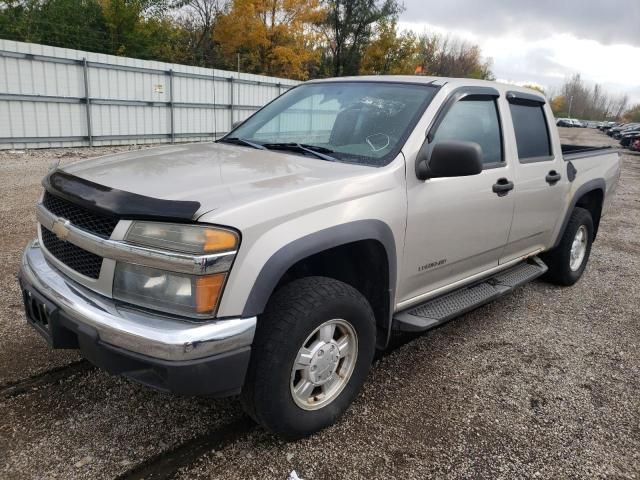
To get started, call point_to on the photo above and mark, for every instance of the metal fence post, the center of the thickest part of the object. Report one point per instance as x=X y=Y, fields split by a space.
x=87 y=99
x=171 y=109
x=231 y=102
x=279 y=116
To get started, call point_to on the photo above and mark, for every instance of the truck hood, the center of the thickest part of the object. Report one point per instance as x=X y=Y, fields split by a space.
x=216 y=175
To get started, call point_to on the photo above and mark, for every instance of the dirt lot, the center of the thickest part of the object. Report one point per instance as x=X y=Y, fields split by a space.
x=542 y=383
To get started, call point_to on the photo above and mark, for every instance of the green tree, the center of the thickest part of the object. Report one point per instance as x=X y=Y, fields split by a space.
x=66 y=23
x=138 y=28
x=390 y=52
x=349 y=28
x=130 y=24
x=289 y=38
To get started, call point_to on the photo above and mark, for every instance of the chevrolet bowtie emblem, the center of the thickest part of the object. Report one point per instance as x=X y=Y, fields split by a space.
x=61 y=228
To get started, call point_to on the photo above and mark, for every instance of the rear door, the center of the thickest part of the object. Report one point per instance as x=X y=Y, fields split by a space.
x=458 y=227
x=540 y=176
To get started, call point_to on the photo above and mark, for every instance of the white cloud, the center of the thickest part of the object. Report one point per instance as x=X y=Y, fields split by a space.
x=550 y=59
x=609 y=22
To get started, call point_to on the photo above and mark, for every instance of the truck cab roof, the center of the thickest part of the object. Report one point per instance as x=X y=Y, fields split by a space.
x=449 y=82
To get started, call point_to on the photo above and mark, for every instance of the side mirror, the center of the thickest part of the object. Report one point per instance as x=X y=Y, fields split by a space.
x=450 y=158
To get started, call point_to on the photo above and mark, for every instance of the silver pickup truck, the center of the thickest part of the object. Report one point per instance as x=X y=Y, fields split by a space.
x=274 y=262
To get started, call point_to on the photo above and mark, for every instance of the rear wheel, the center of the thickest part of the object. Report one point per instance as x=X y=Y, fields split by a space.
x=568 y=260
x=312 y=352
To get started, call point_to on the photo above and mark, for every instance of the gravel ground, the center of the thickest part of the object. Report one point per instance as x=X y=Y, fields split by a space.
x=542 y=383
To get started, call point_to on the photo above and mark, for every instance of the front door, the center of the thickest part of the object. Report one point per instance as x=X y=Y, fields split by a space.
x=458 y=227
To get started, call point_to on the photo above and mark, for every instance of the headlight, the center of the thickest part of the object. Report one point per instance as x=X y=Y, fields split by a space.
x=196 y=239
x=173 y=292
x=195 y=296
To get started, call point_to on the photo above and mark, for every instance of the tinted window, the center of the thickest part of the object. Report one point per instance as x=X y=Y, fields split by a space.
x=362 y=122
x=532 y=135
x=474 y=121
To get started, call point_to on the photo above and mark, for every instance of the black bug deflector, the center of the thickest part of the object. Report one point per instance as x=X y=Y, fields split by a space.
x=118 y=203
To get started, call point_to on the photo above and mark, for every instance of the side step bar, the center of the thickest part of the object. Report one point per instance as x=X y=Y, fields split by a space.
x=441 y=309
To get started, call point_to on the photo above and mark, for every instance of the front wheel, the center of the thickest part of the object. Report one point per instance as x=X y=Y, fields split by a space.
x=568 y=260
x=313 y=349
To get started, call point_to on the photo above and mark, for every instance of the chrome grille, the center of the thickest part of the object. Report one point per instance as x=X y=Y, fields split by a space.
x=93 y=222
x=74 y=257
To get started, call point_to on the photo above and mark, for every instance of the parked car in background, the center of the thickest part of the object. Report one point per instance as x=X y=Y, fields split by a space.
x=275 y=262
x=606 y=126
x=629 y=136
x=615 y=132
x=613 y=129
x=564 y=122
x=630 y=127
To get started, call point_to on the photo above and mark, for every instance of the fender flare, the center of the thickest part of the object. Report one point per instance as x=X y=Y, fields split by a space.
x=590 y=186
x=301 y=248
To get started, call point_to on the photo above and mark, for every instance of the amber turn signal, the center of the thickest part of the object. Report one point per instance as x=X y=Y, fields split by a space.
x=219 y=240
x=208 y=289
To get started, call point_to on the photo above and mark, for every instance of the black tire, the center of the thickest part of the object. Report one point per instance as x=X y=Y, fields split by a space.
x=292 y=314
x=558 y=260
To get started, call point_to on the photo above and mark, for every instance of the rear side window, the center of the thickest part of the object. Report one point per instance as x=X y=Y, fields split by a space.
x=532 y=134
x=474 y=120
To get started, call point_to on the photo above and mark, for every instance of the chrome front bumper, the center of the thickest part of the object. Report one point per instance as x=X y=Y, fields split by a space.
x=137 y=331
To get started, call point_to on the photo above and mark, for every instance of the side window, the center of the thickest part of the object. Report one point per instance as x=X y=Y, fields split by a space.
x=474 y=120
x=532 y=133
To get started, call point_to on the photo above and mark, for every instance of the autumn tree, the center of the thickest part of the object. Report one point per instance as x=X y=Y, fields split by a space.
x=348 y=29
x=390 y=52
x=273 y=37
x=297 y=39
x=559 y=106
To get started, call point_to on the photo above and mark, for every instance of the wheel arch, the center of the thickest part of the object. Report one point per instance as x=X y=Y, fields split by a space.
x=368 y=246
x=589 y=196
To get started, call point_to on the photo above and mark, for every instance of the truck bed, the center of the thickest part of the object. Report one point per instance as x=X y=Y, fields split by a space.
x=572 y=152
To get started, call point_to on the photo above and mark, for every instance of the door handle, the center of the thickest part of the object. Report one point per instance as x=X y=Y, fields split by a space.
x=502 y=187
x=553 y=177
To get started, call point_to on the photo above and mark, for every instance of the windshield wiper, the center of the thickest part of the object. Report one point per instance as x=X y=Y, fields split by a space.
x=315 y=150
x=243 y=141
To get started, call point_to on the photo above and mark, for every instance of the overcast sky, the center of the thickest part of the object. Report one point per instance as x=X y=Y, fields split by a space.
x=544 y=41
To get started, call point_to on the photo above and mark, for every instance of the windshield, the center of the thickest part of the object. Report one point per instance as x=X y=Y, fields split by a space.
x=360 y=122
